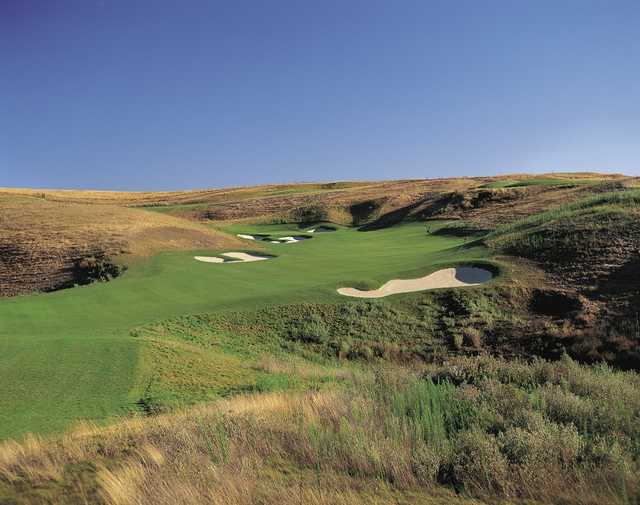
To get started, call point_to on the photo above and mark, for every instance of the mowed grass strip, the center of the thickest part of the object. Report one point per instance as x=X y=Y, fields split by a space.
x=49 y=382
x=69 y=355
x=540 y=181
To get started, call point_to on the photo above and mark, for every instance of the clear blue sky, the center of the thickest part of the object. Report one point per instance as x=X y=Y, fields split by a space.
x=159 y=94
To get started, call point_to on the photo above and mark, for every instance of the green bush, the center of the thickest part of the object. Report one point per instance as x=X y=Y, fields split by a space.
x=310 y=329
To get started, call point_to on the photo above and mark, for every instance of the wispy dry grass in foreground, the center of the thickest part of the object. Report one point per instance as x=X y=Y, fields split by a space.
x=252 y=449
x=493 y=430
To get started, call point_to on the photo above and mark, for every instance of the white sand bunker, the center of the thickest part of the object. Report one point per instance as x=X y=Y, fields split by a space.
x=237 y=257
x=240 y=256
x=292 y=239
x=209 y=259
x=446 y=278
x=248 y=237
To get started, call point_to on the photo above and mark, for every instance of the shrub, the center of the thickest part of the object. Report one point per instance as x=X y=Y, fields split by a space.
x=426 y=461
x=310 y=329
x=566 y=407
x=457 y=340
x=478 y=466
x=544 y=447
x=473 y=337
x=502 y=430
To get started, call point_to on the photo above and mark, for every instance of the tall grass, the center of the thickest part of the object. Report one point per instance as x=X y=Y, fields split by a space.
x=568 y=232
x=596 y=204
x=488 y=428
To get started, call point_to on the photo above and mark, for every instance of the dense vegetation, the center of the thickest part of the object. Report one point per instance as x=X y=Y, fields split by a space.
x=483 y=427
x=526 y=236
x=202 y=357
x=590 y=247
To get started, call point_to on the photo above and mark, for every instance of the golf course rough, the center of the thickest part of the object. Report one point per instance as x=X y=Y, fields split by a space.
x=70 y=355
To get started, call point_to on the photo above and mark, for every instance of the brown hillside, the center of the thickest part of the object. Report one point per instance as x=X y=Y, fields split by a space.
x=48 y=245
x=385 y=203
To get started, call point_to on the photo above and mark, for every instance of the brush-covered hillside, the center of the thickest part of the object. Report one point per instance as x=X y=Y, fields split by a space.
x=590 y=251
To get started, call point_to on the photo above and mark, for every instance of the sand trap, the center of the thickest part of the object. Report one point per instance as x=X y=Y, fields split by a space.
x=293 y=239
x=209 y=259
x=248 y=237
x=238 y=257
x=446 y=278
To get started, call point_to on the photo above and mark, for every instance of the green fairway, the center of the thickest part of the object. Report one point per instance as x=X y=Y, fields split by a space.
x=547 y=181
x=69 y=355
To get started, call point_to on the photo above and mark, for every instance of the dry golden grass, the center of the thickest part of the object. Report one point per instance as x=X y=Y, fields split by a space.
x=400 y=199
x=273 y=365
x=235 y=452
x=401 y=191
x=160 y=198
x=376 y=440
x=40 y=240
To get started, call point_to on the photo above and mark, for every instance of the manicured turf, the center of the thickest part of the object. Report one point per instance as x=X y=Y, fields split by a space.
x=69 y=355
x=550 y=181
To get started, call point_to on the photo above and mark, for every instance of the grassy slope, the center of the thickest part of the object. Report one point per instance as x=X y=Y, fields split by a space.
x=586 y=241
x=589 y=247
x=598 y=204
x=69 y=354
x=540 y=181
x=303 y=345
x=163 y=198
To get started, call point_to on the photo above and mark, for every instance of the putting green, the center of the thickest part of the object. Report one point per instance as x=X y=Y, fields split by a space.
x=69 y=355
